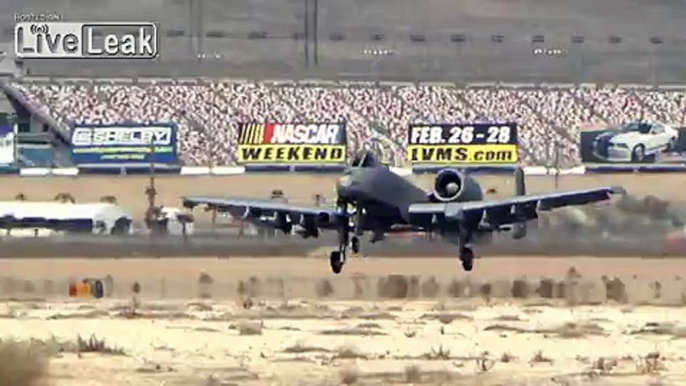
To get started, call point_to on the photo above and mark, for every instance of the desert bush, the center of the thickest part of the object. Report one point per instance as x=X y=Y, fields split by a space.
x=439 y=352
x=484 y=363
x=361 y=285
x=393 y=287
x=349 y=352
x=205 y=282
x=250 y=328
x=457 y=288
x=616 y=289
x=23 y=363
x=546 y=288
x=430 y=288
x=521 y=289
x=349 y=375
x=95 y=345
x=323 y=288
x=538 y=357
x=108 y=200
x=20 y=197
x=64 y=198
x=413 y=373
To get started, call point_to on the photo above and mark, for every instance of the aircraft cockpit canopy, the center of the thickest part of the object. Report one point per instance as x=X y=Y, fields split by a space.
x=365 y=159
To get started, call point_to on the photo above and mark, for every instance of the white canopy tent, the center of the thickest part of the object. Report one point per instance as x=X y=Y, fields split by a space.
x=100 y=218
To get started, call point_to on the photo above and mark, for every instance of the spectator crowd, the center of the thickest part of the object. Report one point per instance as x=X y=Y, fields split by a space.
x=208 y=114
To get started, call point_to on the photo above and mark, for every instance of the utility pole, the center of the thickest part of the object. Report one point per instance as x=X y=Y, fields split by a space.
x=151 y=192
x=315 y=23
x=306 y=30
x=557 y=165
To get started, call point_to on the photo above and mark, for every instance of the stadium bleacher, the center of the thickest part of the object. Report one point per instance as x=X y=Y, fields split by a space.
x=208 y=113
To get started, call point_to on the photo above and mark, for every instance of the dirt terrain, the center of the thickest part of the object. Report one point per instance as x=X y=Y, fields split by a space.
x=129 y=190
x=286 y=321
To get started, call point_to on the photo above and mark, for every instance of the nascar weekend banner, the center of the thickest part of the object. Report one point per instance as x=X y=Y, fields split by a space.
x=287 y=143
x=7 y=145
x=633 y=143
x=473 y=143
x=124 y=144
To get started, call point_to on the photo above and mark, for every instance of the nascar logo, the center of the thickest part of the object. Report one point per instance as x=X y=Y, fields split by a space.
x=277 y=133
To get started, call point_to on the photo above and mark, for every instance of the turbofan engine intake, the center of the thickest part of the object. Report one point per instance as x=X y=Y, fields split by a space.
x=452 y=185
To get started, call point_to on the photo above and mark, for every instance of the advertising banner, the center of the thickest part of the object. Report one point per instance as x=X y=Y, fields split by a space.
x=292 y=144
x=633 y=143
x=7 y=145
x=462 y=144
x=124 y=144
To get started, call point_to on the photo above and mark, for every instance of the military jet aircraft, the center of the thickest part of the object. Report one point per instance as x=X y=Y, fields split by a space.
x=386 y=202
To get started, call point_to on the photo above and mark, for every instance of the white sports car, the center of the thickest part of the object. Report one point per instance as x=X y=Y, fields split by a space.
x=635 y=142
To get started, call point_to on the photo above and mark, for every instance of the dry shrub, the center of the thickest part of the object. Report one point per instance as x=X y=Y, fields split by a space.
x=410 y=333
x=95 y=345
x=604 y=365
x=349 y=352
x=323 y=288
x=393 y=287
x=484 y=363
x=439 y=352
x=616 y=289
x=23 y=363
x=205 y=282
x=369 y=325
x=413 y=373
x=521 y=289
x=431 y=288
x=506 y=357
x=540 y=358
x=250 y=328
x=651 y=363
x=361 y=284
x=546 y=288
x=349 y=375
x=457 y=288
x=575 y=330
x=301 y=348
x=352 y=332
x=446 y=317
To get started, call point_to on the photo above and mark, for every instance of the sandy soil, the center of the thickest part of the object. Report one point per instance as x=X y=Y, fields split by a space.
x=283 y=328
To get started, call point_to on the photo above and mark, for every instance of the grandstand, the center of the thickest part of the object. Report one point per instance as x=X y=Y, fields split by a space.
x=496 y=41
x=208 y=113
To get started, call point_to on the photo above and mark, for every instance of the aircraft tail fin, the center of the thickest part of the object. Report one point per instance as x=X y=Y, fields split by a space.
x=519 y=231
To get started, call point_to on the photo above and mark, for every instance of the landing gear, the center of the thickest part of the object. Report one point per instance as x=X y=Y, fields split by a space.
x=337 y=261
x=467 y=258
x=355 y=244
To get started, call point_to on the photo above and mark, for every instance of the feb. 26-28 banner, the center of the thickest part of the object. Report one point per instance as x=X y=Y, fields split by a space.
x=288 y=143
x=124 y=144
x=471 y=143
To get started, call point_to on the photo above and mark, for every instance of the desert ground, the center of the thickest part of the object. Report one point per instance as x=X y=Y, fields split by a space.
x=289 y=321
x=300 y=188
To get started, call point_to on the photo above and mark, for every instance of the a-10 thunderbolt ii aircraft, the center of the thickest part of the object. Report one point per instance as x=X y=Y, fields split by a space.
x=386 y=202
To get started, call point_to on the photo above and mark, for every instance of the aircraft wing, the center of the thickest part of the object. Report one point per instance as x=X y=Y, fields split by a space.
x=508 y=210
x=254 y=208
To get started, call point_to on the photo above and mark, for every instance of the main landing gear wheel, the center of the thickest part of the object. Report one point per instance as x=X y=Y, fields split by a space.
x=336 y=262
x=467 y=257
x=355 y=244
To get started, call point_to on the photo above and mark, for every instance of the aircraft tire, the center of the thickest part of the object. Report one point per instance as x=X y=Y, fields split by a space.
x=355 y=244
x=467 y=258
x=336 y=262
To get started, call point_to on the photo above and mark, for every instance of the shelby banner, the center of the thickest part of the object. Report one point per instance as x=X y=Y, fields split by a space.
x=7 y=145
x=473 y=143
x=124 y=144
x=635 y=142
x=285 y=143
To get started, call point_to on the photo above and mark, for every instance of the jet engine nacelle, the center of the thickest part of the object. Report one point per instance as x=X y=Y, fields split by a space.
x=452 y=185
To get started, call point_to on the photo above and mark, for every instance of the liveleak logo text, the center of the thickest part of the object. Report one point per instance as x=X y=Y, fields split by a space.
x=73 y=40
